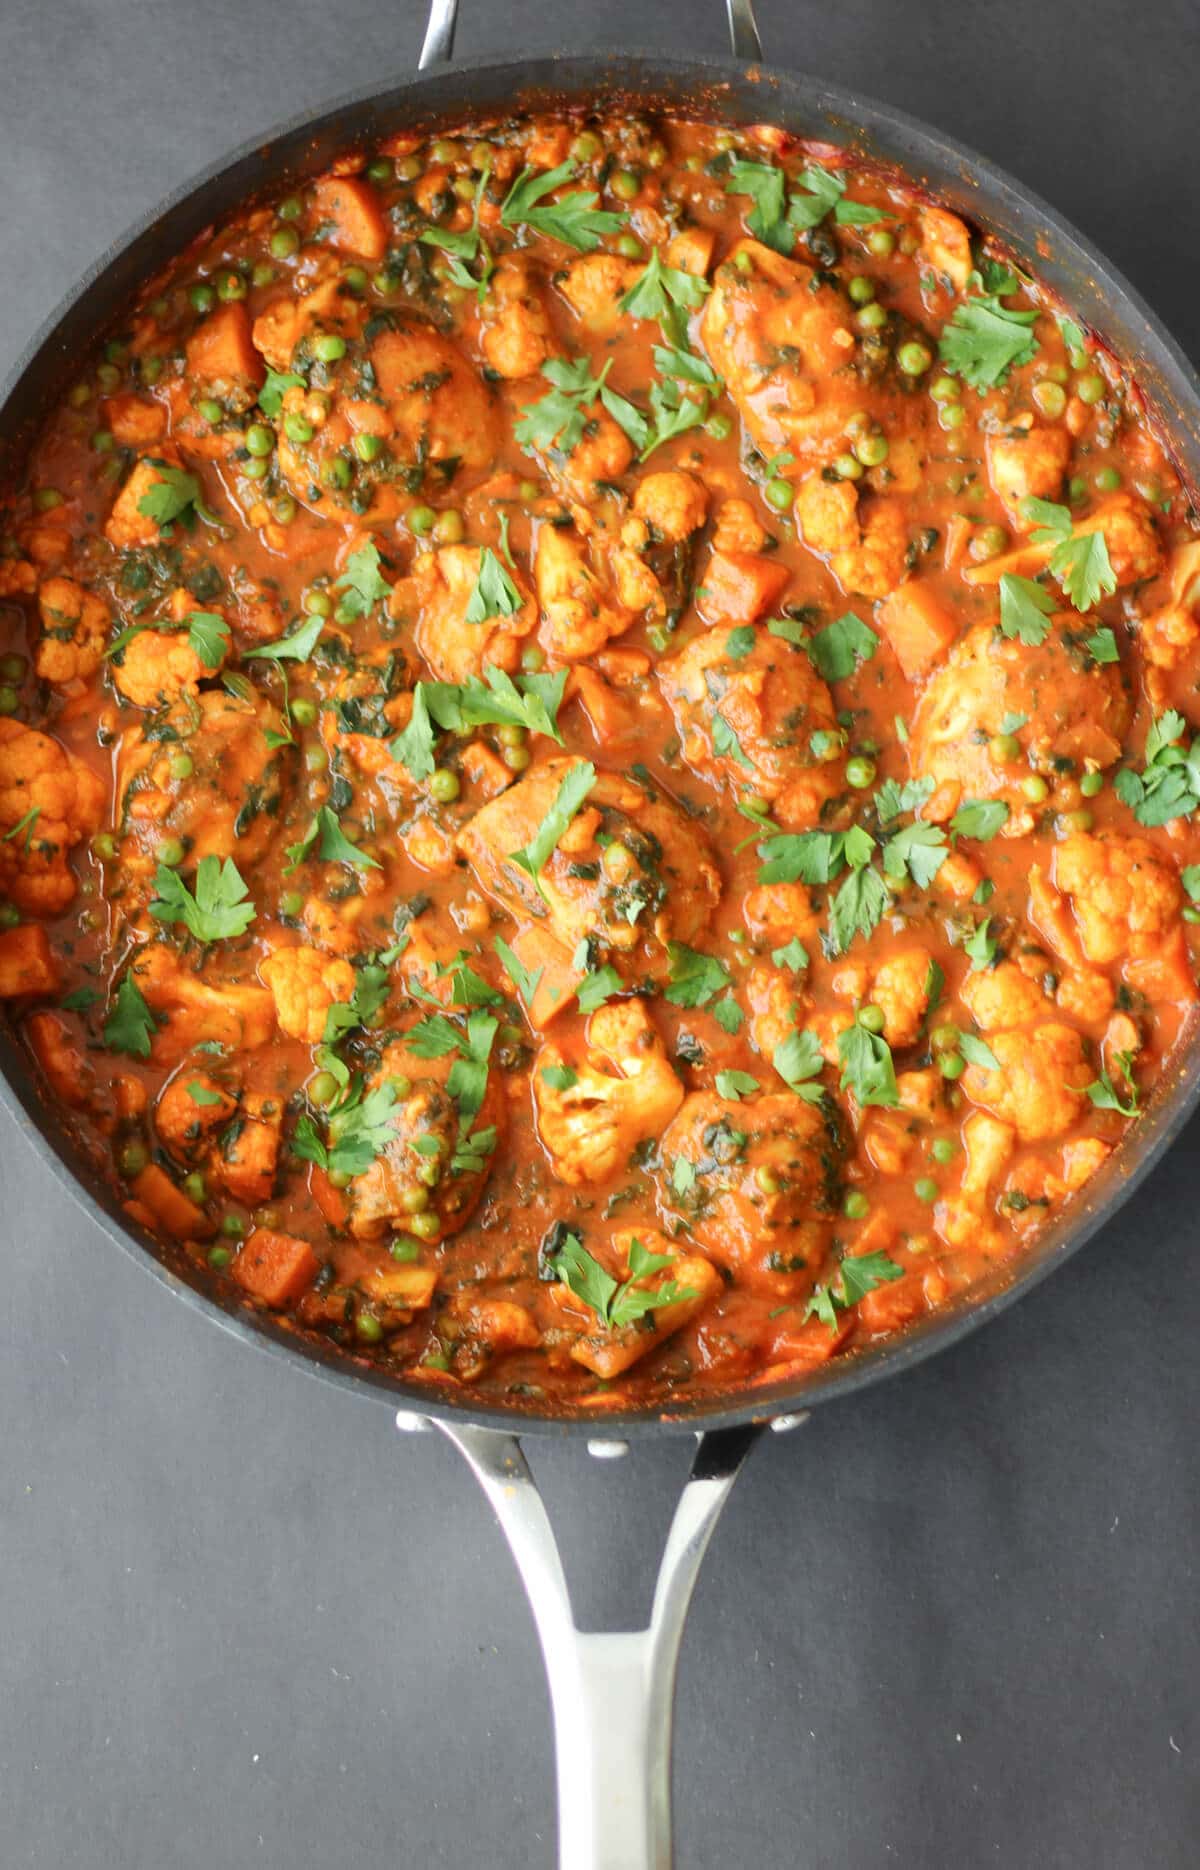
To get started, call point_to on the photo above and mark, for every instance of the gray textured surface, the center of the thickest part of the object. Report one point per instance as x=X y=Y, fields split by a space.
x=241 y=1623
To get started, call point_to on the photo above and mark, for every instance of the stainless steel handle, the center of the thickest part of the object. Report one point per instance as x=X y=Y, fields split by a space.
x=612 y=1694
x=443 y=16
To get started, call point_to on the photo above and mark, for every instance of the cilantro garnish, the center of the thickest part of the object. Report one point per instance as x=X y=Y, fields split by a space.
x=984 y=339
x=220 y=907
x=836 y=651
x=467 y=249
x=799 y=1060
x=793 y=955
x=1025 y=607
x=867 y=1069
x=572 y=791
x=919 y=851
x=361 y=584
x=494 y=593
x=662 y=291
x=360 y=1128
x=297 y=647
x=982 y=947
x=175 y=495
x=597 y=987
x=1104 y=1094
x=616 y=1305
x=857 y=1275
x=1079 y=560
x=695 y=978
x=980 y=818
x=1169 y=784
x=130 y=1025
x=208 y=637
x=736 y=1084
x=413 y=746
x=270 y=397
x=575 y=220
x=371 y=988
x=558 y=419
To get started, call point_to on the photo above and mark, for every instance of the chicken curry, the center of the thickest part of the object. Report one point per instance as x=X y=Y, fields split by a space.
x=597 y=790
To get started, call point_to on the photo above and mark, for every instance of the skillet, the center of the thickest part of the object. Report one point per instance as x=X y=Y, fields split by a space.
x=612 y=1693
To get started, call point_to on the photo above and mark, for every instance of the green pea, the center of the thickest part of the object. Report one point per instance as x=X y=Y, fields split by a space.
x=150 y=369
x=195 y=1187
x=10 y=916
x=425 y=1226
x=779 y=493
x=181 y=765
x=861 y=289
x=102 y=442
x=443 y=150
x=284 y=242
x=463 y=187
x=860 y=772
x=533 y=658
x=515 y=758
x=1050 y=398
x=233 y=1226
x=318 y=603
x=104 y=846
x=873 y=1018
x=260 y=439
x=283 y=509
x=952 y=415
x=345 y=612
x=855 y=1205
x=743 y=262
x=132 y=1159
x=171 y=852
x=219 y=1258
x=230 y=286
x=846 y=467
x=13 y=668
x=1090 y=784
x=211 y=410
x=988 y=542
x=871 y=450
x=873 y=317
x=944 y=1149
x=255 y=469
x=944 y=1038
x=881 y=242
x=1090 y=388
x=1077 y=489
x=355 y=280
x=82 y=393
x=339 y=1178
x=1003 y=748
x=629 y=247
x=261 y=274
x=421 y=520
x=1081 y=820
x=509 y=734
x=625 y=185
x=323 y=1088
x=444 y=785
x=368 y=447
x=381 y=170
x=315 y=757
x=290 y=208
x=1035 y=788
x=481 y=155
x=408 y=168
x=329 y=347
x=337 y=473
x=586 y=146
x=203 y=298
x=945 y=390
x=913 y=359
x=297 y=428
x=1108 y=480
x=414 y=1200
x=291 y=903
x=925 y=1188
x=719 y=426
x=450 y=528
x=405 y=1249
x=304 y=710
x=368 y=1327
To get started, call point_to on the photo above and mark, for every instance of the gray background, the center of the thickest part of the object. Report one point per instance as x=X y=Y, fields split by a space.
x=242 y=1623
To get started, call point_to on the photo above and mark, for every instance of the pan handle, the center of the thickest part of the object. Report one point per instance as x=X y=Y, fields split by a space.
x=611 y=1693
x=443 y=16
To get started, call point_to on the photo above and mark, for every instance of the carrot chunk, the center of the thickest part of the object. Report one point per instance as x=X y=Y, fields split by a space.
x=356 y=222
x=169 y=1205
x=740 y=587
x=26 y=963
x=221 y=350
x=276 y=1268
x=917 y=625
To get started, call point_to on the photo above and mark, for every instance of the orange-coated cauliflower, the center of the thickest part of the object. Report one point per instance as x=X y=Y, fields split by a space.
x=999 y=998
x=868 y=552
x=437 y=596
x=594 y=1108
x=58 y=801
x=1027 y=462
x=157 y=667
x=901 y=990
x=593 y=287
x=1038 y=1083
x=190 y=1012
x=516 y=336
x=1124 y=893
x=75 y=627
x=967 y=1218
x=306 y=983
x=671 y=502
x=580 y=611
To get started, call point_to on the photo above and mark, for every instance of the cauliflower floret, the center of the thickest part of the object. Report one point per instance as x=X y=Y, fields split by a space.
x=867 y=553
x=306 y=983
x=775 y=912
x=39 y=777
x=623 y=1091
x=630 y=871
x=1134 y=549
x=738 y=529
x=191 y=1012
x=157 y=667
x=127 y=525
x=966 y=1219
x=1073 y=710
x=593 y=287
x=1124 y=894
x=186 y=1123
x=999 y=998
x=1027 y=462
x=18 y=578
x=762 y=1195
x=27 y=963
x=383 y=1199
x=438 y=595
x=75 y=627
x=901 y=989
x=761 y=721
x=609 y=1351
x=437 y=405
x=1170 y=629
x=516 y=336
x=1040 y=1081
x=580 y=613
x=329 y=307
x=598 y=459
x=248 y=1156
x=774 y=1002
x=672 y=502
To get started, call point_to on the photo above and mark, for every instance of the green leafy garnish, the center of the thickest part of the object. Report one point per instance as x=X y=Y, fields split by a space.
x=208 y=637
x=793 y=955
x=982 y=947
x=360 y=1128
x=617 y=1305
x=494 y=593
x=559 y=1077
x=867 y=1069
x=1102 y=646
x=767 y=188
x=1025 y=607
x=980 y=818
x=836 y=651
x=220 y=908
x=413 y=745
x=572 y=792
x=467 y=249
x=558 y=419
x=361 y=584
x=270 y=397
x=130 y=1025
x=735 y=1084
x=1169 y=784
x=658 y=288
x=200 y=1093
x=1104 y=1094
x=371 y=988
x=728 y=1014
x=575 y=220
x=976 y=1052
x=525 y=981
x=597 y=987
x=984 y=339
x=799 y=1060
x=919 y=851
x=696 y=978
x=1079 y=560
x=858 y=1274
x=175 y=495
x=297 y=647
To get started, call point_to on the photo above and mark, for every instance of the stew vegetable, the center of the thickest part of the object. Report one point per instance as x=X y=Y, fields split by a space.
x=597 y=781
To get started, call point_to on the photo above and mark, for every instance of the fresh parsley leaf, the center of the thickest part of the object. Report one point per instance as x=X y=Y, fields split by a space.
x=696 y=978
x=130 y=1025
x=80 y=1000
x=361 y=584
x=683 y=1176
x=740 y=642
x=1051 y=522
x=658 y=287
x=1102 y=646
x=532 y=702
x=984 y=339
x=559 y=418
x=919 y=851
x=414 y=745
x=467 y=249
x=793 y=956
x=208 y=637
x=175 y=495
x=575 y=220
x=893 y=798
x=766 y=187
x=1083 y=568
x=1024 y=609
x=372 y=985
x=597 y=987
x=858 y=1274
x=571 y=794
x=616 y=1306
x=270 y=397
x=867 y=1069
x=982 y=947
x=1104 y=1094
x=361 y=1128
x=200 y=1093
x=525 y=982
x=495 y=594
x=976 y=1052
x=1189 y=876
x=822 y=193
x=980 y=818
x=802 y=856
x=336 y=847
x=726 y=744
x=836 y=651
x=860 y=214
x=799 y=1060
x=297 y=647
x=728 y=1014
x=559 y=1077
x=735 y=1084
x=857 y=909
x=220 y=908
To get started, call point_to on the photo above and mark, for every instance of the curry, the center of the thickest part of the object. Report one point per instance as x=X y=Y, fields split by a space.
x=597 y=792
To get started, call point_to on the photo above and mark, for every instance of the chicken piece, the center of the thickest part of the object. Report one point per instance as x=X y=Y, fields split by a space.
x=609 y=1350
x=128 y=526
x=191 y=1109
x=672 y=503
x=306 y=983
x=158 y=667
x=381 y=1201
x=439 y=409
x=651 y=880
x=1039 y=1083
x=1125 y=895
x=776 y=912
x=288 y=320
x=634 y=584
x=1074 y=710
x=229 y=804
x=1027 y=462
x=946 y=244
x=247 y=1159
x=27 y=964
x=967 y=1218
x=191 y=1012
x=580 y=611
x=436 y=598
x=56 y=801
x=1002 y=997
x=780 y=337
x=868 y=552
x=593 y=286
x=901 y=989
x=75 y=625
x=733 y=1148
x=516 y=336
x=691 y=250
x=623 y=1091
x=757 y=719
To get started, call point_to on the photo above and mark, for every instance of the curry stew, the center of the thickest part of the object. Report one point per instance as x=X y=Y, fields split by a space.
x=596 y=772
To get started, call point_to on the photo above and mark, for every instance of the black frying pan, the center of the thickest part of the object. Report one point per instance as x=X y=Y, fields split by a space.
x=611 y=1693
